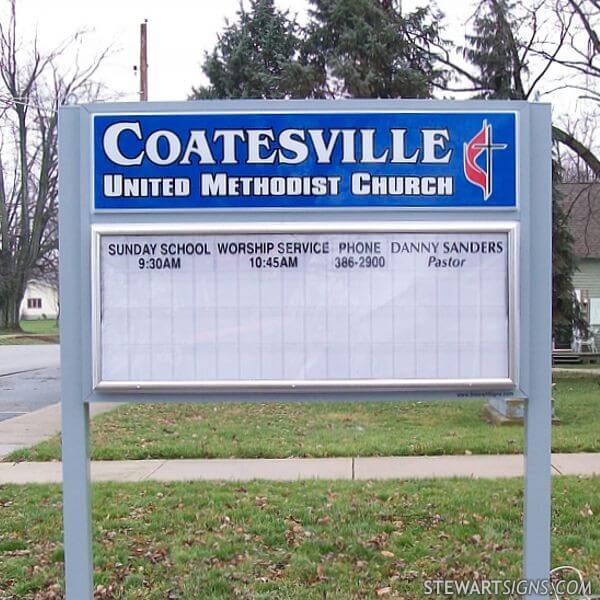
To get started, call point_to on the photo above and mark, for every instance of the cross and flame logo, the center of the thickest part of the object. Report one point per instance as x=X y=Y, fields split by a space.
x=481 y=143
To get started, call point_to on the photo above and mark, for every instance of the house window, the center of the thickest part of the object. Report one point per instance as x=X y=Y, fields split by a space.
x=34 y=303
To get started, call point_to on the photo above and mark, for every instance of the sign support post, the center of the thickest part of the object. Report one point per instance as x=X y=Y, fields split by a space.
x=537 y=380
x=77 y=518
x=77 y=505
x=413 y=240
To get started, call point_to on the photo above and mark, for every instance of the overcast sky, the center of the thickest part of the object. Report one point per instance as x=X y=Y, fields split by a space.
x=179 y=32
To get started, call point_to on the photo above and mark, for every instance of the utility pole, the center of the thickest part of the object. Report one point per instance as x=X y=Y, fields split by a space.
x=144 y=61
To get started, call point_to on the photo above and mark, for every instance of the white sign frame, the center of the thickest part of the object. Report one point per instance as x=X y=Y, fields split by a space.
x=249 y=386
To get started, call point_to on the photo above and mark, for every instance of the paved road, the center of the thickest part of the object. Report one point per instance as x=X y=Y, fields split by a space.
x=14 y=359
x=29 y=391
x=29 y=378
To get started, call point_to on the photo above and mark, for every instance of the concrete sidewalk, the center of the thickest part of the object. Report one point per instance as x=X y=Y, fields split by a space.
x=31 y=428
x=293 y=469
x=594 y=372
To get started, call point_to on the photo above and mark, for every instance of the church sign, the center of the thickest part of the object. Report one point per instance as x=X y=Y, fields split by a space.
x=281 y=251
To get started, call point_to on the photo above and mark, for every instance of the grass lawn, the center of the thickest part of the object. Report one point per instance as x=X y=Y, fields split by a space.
x=41 y=331
x=48 y=326
x=335 y=540
x=138 y=431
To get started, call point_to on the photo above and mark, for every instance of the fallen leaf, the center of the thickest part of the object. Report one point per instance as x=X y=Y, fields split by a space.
x=383 y=591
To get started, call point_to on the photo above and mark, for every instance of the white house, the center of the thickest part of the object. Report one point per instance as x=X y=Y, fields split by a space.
x=581 y=203
x=40 y=301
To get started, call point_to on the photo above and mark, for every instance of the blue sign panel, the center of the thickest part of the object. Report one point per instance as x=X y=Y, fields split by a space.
x=297 y=160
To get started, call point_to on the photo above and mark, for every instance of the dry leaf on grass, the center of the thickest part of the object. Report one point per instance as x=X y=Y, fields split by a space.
x=383 y=591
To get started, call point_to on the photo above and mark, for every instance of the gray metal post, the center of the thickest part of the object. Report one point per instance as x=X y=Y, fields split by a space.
x=538 y=416
x=75 y=413
x=76 y=500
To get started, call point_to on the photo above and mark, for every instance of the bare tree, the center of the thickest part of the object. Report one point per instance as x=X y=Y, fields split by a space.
x=579 y=54
x=32 y=87
x=537 y=36
x=573 y=168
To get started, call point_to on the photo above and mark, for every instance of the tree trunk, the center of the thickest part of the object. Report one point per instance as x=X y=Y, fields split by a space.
x=10 y=307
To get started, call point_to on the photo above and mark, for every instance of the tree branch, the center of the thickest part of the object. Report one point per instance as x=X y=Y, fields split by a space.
x=580 y=149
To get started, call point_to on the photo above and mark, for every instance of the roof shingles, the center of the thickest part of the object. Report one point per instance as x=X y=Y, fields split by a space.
x=581 y=203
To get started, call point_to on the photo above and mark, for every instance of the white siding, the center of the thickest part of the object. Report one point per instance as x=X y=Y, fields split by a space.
x=594 y=311
x=46 y=294
x=588 y=277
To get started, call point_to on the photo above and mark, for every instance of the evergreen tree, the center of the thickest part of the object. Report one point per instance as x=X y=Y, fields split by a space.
x=257 y=57
x=566 y=310
x=494 y=50
x=351 y=48
x=367 y=49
